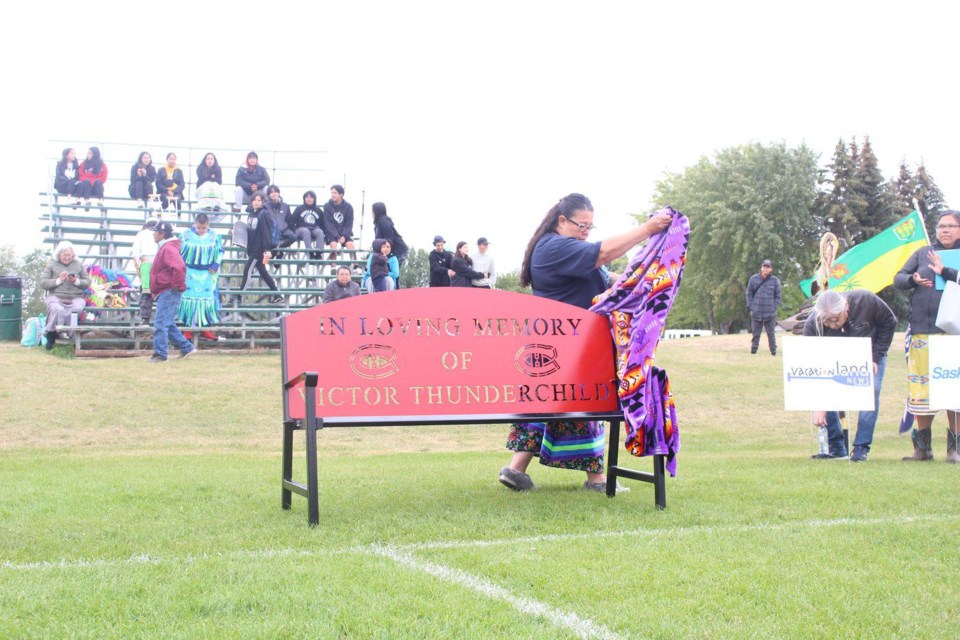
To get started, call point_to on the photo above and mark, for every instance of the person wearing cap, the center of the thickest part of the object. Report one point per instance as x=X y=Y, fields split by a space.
x=763 y=298
x=141 y=254
x=168 y=276
x=251 y=177
x=483 y=262
x=440 y=263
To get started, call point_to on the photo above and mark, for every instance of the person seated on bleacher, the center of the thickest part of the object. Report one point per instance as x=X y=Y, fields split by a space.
x=142 y=253
x=66 y=181
x=342 y=287
x=250 y=178
x=383 y=227
x=142 y=176
x=209 y=180
x=202 y=251
x=65 y=280
x=383 y=268
x=338 y=221
x=283 y=227
x=260 y=245
x=92 y=174
x=170 y=183
x=307 y=220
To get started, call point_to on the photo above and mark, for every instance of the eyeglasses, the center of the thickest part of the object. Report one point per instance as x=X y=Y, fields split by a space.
x=944 y=227
x=833 y=320
x=584 y=228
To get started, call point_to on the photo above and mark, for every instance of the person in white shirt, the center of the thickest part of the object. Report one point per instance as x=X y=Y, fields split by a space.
x=142 y=253
x=483 y=262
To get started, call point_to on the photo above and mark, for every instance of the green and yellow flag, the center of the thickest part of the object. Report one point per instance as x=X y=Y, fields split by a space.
x=872 y=264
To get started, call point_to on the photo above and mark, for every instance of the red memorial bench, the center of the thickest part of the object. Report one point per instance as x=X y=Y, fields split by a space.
x=446 y=356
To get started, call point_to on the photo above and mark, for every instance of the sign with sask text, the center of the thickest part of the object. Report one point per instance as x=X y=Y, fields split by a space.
x=944 y=372
x=450 y=352
x=827 y=374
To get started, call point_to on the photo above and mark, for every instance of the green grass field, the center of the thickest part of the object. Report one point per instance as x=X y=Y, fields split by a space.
x=144 y=501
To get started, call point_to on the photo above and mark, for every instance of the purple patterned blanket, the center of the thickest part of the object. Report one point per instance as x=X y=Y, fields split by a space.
x=637 y=305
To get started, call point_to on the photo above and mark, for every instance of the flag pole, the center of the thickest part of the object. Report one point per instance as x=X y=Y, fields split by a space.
x=923 y=223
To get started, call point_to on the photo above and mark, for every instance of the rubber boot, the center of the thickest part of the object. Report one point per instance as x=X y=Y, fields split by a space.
x=953 y=439
x=922 y=451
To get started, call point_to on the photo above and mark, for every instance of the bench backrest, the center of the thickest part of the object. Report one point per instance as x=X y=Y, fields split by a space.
x=434 y=355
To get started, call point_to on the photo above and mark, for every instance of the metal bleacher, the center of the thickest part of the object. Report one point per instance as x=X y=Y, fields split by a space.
x=103 y=236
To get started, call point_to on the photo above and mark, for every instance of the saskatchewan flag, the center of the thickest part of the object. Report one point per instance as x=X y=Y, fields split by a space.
x=872 y=264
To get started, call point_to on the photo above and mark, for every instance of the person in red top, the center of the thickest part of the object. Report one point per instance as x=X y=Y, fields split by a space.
x=92 y=174
x=168 y=276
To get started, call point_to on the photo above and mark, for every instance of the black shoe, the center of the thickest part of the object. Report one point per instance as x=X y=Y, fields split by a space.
x=773 y=353
x=753 y=350
x=859 y=454
x=275 y=299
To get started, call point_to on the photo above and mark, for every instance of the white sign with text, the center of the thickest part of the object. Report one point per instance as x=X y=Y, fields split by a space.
x=827 y=374
x=944 y=372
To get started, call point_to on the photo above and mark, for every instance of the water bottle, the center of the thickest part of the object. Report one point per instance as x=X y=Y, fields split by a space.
x=823 y=441
x=73 y=319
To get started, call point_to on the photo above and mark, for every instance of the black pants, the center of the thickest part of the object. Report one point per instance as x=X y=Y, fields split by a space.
x=261 y=269
x=89 y=189
x=756 y=324
x=140 y=190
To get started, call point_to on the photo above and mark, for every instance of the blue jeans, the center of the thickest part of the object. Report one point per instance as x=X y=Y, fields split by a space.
x=866 y=420
x=165 y=325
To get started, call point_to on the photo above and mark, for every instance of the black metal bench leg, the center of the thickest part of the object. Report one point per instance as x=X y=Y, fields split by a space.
x=313 y=499
x=285 y=494
x=613 y=455
x=659 y=482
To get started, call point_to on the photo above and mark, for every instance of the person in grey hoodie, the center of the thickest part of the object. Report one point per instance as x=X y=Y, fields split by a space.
x=65 y=280
x=763 y=298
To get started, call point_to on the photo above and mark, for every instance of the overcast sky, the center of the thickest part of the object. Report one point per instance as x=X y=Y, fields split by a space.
x=472 y=119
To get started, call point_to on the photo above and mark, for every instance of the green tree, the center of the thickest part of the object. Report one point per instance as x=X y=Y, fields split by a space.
x=511 y=282
x=878 y=210
x=28 y=269
x=416 y=271
x=929 y=198
x=840 y=204
x=748 y=203
x=903 y=191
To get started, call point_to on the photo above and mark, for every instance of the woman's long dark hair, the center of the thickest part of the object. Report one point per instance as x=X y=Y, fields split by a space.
x=565 y=207
x=95 y=164
x=379 y=211
x=62 y=165
x=203 y=171
x=140 y=159
x=465 y=258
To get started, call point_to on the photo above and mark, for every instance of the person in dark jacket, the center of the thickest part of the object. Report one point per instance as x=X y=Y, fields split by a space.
x=338 y=221
x=763 y=299
x=142 y=176
x=92 y=174
x=284 y=233
x=383 y=228
x=66 y=180
x=440 y=260
x=462 y=266
x=858 y=314
x=168 y=275
x=307 y=224
x=260 y=244
x=170 y=183
x=342 y=287
x=383 y=268
x=251 y=177
x=209 y=170
x=917 y=276
x=209 y=193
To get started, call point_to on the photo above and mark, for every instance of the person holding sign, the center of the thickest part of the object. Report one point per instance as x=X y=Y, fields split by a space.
x=561 y=265
x=917 y=276
x=859 y=314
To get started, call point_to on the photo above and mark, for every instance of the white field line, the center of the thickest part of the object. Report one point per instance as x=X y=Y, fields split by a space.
x=261 y=554
x=581 y=627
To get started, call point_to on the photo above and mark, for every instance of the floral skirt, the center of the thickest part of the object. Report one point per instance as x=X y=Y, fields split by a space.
x=565 y=444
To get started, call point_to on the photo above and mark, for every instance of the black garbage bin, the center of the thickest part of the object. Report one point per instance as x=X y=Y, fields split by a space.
x=11 y=305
